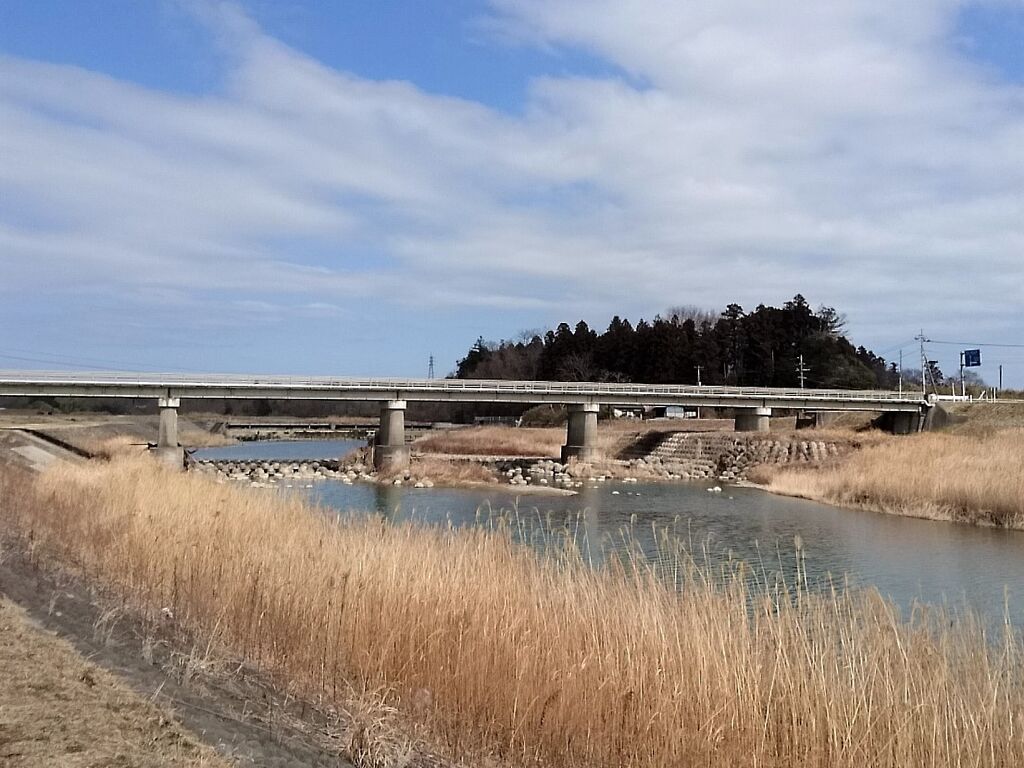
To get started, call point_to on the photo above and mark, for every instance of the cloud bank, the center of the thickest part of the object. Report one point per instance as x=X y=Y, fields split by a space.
x=747 y=151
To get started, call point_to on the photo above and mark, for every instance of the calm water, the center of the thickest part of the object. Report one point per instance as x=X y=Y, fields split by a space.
x=292 y=450
x=904 y=558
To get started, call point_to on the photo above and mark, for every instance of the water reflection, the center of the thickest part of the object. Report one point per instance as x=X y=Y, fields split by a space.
x=281 y=450
x=904 y=558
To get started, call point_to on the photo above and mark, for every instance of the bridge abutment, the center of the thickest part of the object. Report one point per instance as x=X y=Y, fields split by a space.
x=904 y=422
x=389 y=449
x=753 y=420
x=167 y=450
x=581 y=433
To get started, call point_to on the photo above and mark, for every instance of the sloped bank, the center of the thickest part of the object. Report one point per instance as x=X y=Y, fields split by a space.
x=730 y=456
x=669 y=456
x=966 y=479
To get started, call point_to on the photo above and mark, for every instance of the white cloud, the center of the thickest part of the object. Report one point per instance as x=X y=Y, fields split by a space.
x=751 y=151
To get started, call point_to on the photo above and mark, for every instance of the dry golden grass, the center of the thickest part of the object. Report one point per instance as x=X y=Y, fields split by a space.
x=842 y=435
x=444 y=472
x=114 y=447
x=57 y=709
x=495 y=441
x=984 y=417
x=193 y=436
x=939 y=476
x=612 y=436
x=534 y=660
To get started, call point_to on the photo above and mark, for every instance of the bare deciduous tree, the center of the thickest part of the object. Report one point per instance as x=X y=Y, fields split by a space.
x=680 y=314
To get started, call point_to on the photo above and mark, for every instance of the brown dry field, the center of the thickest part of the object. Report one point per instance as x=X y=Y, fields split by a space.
x=57 y=709
x=984 y=418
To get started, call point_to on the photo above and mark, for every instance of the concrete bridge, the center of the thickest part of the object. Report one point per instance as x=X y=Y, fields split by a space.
x=753 y=405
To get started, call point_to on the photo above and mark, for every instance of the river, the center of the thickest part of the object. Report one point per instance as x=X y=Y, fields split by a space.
x=904 y=558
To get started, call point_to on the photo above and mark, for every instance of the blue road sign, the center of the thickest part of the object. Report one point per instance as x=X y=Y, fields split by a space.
x=972 y=358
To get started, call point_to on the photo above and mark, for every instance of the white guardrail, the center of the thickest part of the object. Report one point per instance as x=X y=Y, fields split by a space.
x=31 y=382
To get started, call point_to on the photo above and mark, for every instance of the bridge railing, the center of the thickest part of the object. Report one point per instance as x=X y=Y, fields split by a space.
x=396 y=385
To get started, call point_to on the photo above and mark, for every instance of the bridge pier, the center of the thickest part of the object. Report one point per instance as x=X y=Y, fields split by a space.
x=753 y=420
x=167 y=450
x=904 y=422
x=581 y=433
x=389 y=449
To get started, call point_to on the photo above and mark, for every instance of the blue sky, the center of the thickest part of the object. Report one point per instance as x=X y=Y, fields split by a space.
x=348 y=188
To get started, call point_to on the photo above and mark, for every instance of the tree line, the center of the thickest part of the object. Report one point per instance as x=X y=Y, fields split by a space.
x=770 y=346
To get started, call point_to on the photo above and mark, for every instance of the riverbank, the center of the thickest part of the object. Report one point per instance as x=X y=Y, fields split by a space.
x=969 y=473
x=974 y=478
x=103 y=434
x=57 y=708
x=502 y=657
x=613 y=437
x=659 y=451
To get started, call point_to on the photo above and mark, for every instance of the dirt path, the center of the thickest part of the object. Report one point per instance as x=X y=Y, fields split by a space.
x=81 y=685
x=25 y=450
x=57 y=709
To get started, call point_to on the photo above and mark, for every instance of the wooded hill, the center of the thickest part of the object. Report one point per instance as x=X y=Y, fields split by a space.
x=759 y=348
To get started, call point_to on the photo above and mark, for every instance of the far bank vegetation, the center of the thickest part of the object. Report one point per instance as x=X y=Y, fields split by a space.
x=964 y=478
x=529 y=441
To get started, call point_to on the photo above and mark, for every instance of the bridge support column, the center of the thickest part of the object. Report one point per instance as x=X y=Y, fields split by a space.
x=167 y=450
x=581 y=433
x=753 y=420
x=904 y=422
x=389 y=449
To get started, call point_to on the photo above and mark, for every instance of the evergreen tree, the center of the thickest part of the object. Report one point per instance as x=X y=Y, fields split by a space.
x=760 y=348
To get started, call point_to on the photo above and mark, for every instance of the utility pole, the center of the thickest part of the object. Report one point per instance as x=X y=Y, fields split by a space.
x=901 y=372
x=802 y=370
x=1000 y=378
x=699 y=369
x=430 y=368
x=924 y=365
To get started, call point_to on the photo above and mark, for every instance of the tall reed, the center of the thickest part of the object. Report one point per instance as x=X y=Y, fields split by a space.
x=976 y=479
x=535 y=660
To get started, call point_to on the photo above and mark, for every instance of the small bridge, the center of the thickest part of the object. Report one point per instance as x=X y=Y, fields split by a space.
x=752 y=405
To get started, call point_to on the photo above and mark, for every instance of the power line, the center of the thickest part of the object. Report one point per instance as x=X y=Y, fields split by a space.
x=72 y=362
x=975 y=344
x=41 y=357
x=56 y=362
x=901 y=346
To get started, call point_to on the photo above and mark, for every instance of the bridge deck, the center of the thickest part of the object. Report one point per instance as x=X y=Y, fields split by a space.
x=205 y=386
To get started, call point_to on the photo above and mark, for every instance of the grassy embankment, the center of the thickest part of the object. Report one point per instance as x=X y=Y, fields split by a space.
x=964 y=478
x=493 y=650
